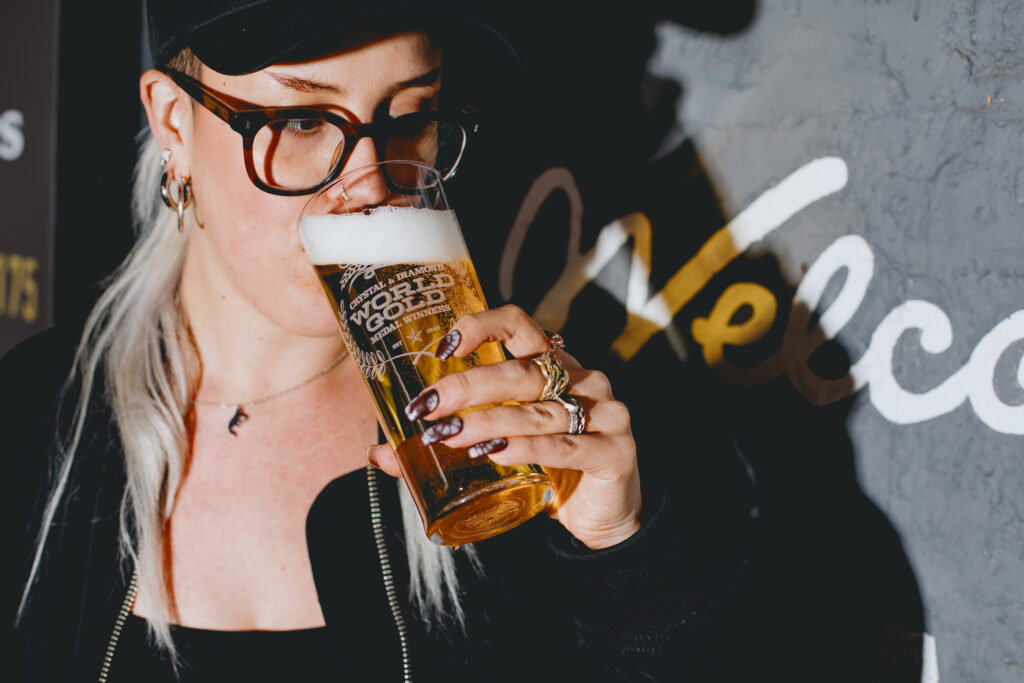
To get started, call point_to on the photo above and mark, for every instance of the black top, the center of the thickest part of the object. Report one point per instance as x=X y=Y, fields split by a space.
x=214 y=656
x=207 y=656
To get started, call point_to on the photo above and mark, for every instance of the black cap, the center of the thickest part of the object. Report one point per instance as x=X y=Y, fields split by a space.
x=241 y=36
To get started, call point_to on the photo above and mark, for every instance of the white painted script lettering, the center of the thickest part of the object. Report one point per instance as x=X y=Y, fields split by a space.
x=648 y=315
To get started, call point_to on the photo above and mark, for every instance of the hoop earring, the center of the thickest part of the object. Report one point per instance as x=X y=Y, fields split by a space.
x=178 y=198
x=181 y=197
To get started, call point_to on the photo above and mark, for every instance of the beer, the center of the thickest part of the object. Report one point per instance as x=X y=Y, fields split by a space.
x=398 y=279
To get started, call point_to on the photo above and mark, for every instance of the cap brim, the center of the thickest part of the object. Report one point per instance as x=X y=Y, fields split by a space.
x=257 y=37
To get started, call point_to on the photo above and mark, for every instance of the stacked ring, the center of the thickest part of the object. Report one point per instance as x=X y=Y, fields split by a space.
x=556 y=381
x=577 y=416
x=555 y=375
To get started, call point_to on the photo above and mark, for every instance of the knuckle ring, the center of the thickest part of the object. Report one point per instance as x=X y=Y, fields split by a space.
x=556 y=377
x=555 y=340
x=577 y=416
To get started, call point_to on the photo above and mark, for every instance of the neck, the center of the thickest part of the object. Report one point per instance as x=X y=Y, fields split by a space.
x=244 y=355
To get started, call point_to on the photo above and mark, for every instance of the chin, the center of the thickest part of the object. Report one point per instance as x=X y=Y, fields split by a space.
x=314 y=320
x=309 y=314
x=329 y=329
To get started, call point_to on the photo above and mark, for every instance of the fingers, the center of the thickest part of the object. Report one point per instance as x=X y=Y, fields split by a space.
x=383 y=458
x=532 y=431
x=611 y=458
x=509 y=324
x=519 y=380
x=512 y=380
x=515 y=380
x=532 y=419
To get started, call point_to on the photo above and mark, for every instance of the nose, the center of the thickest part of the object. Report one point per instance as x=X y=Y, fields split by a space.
x=364 y=153
x=361 y=184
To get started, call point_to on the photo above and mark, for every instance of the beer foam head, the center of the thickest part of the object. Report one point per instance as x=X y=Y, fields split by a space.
x=387 y=235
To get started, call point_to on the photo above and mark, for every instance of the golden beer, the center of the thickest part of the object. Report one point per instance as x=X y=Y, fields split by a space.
x=398 y=278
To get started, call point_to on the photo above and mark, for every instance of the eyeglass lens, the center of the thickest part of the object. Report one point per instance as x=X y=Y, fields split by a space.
x=301 y=153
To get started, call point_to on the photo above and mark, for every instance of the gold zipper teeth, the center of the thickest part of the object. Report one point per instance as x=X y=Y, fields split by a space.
x=385 y=568
x=122 y=616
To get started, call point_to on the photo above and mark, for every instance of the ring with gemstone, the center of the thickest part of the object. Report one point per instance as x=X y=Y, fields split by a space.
x=555 y=340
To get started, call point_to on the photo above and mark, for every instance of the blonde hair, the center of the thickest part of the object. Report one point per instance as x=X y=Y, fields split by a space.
x=137 y=334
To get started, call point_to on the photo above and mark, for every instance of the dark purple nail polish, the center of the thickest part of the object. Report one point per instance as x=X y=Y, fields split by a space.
x=441 y=431
x=422 y=404
x=487 y=447
x=448 y=344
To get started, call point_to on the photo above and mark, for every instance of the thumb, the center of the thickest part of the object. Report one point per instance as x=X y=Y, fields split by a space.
x=383 y=458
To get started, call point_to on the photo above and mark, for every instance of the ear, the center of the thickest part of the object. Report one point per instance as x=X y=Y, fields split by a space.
x=169 y=112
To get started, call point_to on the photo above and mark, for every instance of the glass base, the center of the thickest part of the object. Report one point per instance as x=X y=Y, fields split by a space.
x=492 y=510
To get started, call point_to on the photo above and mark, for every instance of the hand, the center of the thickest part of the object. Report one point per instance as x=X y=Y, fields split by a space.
x=595 y=473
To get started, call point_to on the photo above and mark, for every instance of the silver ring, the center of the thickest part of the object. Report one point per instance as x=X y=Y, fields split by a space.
x=344 y=195
x=577 y=416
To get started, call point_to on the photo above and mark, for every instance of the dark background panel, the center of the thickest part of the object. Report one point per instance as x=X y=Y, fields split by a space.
x=70 y=77
x=28 y=51
x=98 y=116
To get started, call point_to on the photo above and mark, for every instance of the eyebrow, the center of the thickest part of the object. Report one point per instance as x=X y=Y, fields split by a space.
x=426 y=79
x=307 y=85
x=303 y=84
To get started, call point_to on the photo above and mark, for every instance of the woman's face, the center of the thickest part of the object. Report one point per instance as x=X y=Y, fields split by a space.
x=249 y=250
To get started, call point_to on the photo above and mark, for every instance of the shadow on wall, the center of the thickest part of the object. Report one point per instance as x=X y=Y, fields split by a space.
x=831 y=594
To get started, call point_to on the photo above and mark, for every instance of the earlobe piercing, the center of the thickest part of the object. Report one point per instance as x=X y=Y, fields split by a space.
x=180 y=196
x=176 y=195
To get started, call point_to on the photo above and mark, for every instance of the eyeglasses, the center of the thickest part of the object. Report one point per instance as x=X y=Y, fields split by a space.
x=299 y=150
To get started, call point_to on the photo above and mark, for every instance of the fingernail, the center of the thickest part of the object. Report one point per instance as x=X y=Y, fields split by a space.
x=487 y=447
x=422 y=404
x=371 y=456
x=448 y=344
x=441 y=431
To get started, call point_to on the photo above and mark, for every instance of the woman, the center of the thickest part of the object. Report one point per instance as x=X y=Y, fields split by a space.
x=251 y=546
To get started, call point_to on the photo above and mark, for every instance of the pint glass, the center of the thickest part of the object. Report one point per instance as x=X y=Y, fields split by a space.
x=392 y=261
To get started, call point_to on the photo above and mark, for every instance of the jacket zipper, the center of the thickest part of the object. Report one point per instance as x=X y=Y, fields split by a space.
x=122 y=616
x=385 y=568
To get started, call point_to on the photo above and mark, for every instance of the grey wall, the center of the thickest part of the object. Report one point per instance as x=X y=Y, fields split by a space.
x=923 y=102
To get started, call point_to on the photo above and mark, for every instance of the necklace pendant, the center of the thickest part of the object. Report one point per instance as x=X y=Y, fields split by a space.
x=237 y=420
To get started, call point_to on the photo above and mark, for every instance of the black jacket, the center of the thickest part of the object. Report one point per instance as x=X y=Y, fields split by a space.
x=657 y=607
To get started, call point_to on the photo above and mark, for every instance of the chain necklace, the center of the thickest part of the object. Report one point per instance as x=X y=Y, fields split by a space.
x=240 y=416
